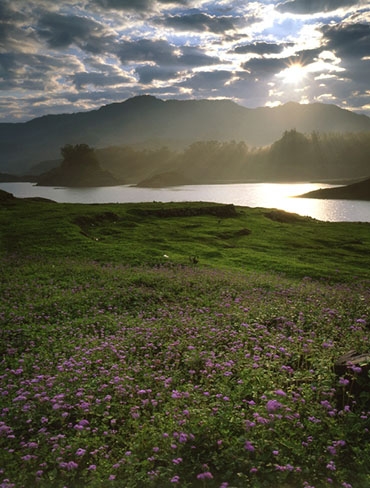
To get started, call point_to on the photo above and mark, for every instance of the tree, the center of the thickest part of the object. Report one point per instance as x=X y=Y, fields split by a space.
x=78 y=156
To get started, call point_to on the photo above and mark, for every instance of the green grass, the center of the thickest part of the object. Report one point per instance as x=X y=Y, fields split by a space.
x=130 y=234
x=124 y=368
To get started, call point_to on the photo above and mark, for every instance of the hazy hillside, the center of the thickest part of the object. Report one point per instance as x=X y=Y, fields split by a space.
x=146 y=119
x=355 y=191
x=293 y=157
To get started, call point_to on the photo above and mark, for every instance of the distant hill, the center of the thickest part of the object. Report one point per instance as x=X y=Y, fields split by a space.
x=7 y=178
x=169 y=178
x=147 y=120
x=354 y=191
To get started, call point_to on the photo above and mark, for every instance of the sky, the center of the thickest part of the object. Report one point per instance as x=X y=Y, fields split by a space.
x=72 y=56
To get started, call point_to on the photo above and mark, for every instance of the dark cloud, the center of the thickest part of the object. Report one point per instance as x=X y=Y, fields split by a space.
x=261 y=67
x=351 y=43
x=10 y=14
x=138 y=5
x=75 y=55
x=306 y=56
x=11 y=32
x=192 y=56
x=149 y=73
x=162 y=53
x=61 y=31
x=266 y=67
x=200 y=22
x=7 y=63
x=39 y=69
x=208 y=80
x=82 y=79
x=158 y=51
x=175 y=2
x=313 y=6
x=260 y=48
x=348 y=39
x=124 y=4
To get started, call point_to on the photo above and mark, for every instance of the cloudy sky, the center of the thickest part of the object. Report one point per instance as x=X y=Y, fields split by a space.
x=67 y=56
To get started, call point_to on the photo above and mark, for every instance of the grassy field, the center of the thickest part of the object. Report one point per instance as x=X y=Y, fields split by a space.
x=227 y=237
x=190 y=345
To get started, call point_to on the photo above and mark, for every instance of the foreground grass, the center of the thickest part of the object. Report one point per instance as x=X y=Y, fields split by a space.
x=250 y=239
x=167 y=374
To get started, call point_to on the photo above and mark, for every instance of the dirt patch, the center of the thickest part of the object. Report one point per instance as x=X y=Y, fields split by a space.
x=284 y=217
x=221 y=211
x=95 y=220
x=237 y=233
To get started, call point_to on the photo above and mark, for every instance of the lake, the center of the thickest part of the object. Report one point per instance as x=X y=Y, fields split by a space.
x=269 y=195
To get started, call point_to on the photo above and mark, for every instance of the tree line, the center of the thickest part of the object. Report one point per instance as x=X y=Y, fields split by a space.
x=294 y=156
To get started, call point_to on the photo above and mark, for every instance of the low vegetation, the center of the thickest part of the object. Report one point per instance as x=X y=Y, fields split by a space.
x=189 y=345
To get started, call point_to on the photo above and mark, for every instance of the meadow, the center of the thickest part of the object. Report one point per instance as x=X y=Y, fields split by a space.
x=190 y=345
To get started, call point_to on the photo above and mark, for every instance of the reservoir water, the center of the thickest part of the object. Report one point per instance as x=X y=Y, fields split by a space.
x=268 y=195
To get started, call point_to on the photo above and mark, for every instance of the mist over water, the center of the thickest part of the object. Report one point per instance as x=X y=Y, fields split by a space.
x=268 y=195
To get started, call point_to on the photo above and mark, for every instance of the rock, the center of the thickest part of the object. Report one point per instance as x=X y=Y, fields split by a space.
x=354 y=368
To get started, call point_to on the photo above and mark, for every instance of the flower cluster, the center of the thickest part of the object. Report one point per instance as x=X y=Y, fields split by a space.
x=156 y=377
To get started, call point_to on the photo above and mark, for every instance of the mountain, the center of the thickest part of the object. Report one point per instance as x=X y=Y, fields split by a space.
x=354 y=191
x=146 y=120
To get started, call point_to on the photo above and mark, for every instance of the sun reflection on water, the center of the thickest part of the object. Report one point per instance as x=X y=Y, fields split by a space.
x=283 y=196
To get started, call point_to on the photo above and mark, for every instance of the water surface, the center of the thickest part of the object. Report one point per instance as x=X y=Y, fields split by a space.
x=269 y=195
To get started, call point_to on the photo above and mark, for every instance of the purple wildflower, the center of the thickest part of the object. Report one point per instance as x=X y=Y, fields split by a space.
x=280 y=392
x=249 y=446
x=207 y=475
x=273 y=405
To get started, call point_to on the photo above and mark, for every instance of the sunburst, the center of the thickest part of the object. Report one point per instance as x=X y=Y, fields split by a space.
x=293 y=74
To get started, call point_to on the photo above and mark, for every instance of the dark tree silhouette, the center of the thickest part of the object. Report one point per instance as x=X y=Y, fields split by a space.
x=80 y=167
x=78 y=156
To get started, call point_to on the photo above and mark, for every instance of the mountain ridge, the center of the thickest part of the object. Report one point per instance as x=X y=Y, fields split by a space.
x=146 y=118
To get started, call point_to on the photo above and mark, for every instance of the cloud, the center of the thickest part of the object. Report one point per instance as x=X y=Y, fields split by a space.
x=161 y=52
x=208 y=80
x=351 y=43
x=124 y=4
x=139 y=5
x=42 y=71
x=348 y=39
x=147 y=74
x=200 y=22
x=259 y=47
x=85 y=53
x=61 y=31
x=194 y=56
x=313 y=6
x=13 y=35
x=265 y=67
x=158 y=51
x=83 y=79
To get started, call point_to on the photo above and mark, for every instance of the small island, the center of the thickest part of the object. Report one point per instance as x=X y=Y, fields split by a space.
x=163 y=180
x=79 y=168
x=354 y=191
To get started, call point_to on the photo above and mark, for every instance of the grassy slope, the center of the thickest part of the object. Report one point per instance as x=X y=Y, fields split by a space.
x=255 y=239
x=81 y=325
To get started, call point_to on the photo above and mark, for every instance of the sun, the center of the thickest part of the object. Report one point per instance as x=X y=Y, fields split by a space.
x=293 y=74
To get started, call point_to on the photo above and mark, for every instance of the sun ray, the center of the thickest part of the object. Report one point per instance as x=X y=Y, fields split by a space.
x=293 y=74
